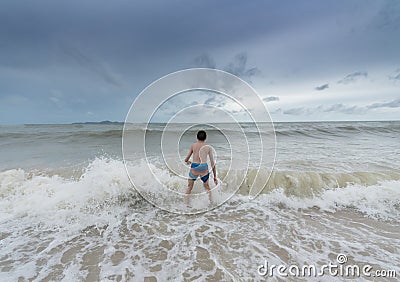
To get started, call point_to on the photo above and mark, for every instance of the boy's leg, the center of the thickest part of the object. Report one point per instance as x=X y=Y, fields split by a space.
x=207 y=187
x=189 y=190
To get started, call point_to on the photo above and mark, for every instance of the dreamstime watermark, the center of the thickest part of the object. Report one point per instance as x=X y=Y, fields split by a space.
x=338 y=269
x=177 y=105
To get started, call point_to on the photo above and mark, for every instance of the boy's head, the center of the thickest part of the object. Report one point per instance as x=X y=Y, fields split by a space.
x=201 y=135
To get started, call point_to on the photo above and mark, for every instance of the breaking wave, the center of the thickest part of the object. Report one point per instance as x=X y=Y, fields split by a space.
x=103 y=186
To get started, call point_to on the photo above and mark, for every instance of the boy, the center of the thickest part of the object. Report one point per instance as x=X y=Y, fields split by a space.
x=199 y=167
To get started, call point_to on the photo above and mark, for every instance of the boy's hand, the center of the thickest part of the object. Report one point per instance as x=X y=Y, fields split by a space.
x=188 y=162
x=215 y=181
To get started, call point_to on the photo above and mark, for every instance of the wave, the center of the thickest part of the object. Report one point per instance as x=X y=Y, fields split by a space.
x=379 y=201
x=314 y=130
x=337 y=129
x=71 y=200
x=295 y=129
x=103 y=186
x=309 y=183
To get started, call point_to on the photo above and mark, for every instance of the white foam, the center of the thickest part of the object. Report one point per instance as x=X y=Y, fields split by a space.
x=104 y=183
x=381 y=200
x=61 y=200
x=45 y=216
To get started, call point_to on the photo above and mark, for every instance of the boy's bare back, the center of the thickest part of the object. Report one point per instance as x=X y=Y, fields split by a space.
x=200 y=152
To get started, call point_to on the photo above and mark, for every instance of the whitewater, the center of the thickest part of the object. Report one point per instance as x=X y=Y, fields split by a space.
x=68 y=211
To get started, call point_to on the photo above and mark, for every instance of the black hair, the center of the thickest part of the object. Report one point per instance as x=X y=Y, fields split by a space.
x=201 y=135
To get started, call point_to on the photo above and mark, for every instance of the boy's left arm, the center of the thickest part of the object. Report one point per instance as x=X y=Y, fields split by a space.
x=214 y=168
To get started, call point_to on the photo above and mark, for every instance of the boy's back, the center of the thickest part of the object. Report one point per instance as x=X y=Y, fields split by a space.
x=200 y=152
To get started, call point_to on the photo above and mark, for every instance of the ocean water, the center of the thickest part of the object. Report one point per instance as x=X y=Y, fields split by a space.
x=68 y=211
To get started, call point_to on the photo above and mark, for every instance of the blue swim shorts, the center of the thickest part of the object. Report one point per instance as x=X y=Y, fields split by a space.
x=197 y=169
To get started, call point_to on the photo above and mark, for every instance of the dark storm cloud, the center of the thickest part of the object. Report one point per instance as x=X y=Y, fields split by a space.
x=71 y=46
x=322 y=87
x=271 y=99
x=128 y=28
x=129 y=31
x=352 y=77
x=95 y=56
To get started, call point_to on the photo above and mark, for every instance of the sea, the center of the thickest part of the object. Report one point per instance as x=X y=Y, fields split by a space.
x=70 y=212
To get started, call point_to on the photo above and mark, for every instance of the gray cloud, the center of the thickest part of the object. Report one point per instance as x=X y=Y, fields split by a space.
x=92 y=65
x=322 y=87
x=215 y=100
x=395 y=75
x=238 y=67
x=388 y=16
x=393 y=104
x=352 y=77
x=340 y=108
x=277 y=111
x=205 y=61
x=271 y=99
x=296 y=111
x=56 y=97
x=337 y=108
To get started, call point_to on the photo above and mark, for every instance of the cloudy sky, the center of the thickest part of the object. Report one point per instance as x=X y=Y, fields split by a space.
x=69 y=61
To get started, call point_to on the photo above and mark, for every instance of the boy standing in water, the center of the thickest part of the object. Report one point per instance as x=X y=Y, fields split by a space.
x=199 y=166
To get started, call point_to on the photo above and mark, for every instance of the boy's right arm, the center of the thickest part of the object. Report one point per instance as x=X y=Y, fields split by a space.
x=188 y=155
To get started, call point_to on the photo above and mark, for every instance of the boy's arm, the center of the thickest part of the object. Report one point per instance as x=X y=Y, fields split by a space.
x=188 y=155
x=214 y=168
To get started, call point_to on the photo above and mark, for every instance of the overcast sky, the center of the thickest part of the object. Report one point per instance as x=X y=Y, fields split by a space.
x=69 y=61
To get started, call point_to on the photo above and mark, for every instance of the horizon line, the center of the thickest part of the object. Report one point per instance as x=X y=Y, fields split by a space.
x=122 y=122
